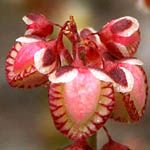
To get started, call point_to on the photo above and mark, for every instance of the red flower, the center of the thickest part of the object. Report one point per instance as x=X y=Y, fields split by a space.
x=20 y=68
x=96 y=80
x=38 y=25
x=81 y=100
x=121 y=37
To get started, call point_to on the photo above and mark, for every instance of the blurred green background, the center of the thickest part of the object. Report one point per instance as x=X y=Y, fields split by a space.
x=25 y=121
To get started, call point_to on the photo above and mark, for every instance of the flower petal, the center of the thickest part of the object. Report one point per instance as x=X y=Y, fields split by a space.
x=86 y=33
x=132 y=61
x=81 y=106
x=38 y=25
x=130 y=106
x=28 y=39
x=64 y=74
x=91 y=47
x=101 y=75
x=121 y=36
x=20 y=69
x=45 y=61
x=130 y=82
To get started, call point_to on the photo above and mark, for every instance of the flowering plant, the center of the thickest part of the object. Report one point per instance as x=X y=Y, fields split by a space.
x=98 y=79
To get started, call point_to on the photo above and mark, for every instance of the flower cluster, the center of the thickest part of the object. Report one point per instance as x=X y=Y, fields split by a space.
x=97 y=79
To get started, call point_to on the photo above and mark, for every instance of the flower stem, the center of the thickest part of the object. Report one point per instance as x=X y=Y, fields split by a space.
x=93 y=141
x=106 y=131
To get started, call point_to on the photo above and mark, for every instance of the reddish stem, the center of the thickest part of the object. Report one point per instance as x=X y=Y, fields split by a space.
x=77 y=62
x=106 y=131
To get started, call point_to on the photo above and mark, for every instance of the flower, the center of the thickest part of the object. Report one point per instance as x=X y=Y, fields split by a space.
x=80 y=100
x=38 y=25
x=96 y=80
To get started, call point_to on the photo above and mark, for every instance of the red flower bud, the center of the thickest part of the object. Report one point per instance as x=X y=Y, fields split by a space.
x=38 y=25
x=121 y=37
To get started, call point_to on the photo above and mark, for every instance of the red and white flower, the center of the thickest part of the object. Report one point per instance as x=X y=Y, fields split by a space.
x=96 y=80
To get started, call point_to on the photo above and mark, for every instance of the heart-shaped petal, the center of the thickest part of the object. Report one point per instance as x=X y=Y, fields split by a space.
x=20 y=69
x=129 y=106
x=82 y=105
x=121 y=36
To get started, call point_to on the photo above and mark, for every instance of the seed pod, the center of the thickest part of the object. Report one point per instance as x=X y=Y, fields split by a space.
x=20 y=68
x=80 y=101
x=130 y=106
x=121 y=36
x=38 y=25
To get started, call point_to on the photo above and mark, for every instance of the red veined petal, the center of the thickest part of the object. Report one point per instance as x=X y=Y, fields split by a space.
x=121 y=36
x=38 y=25
x=130 y=106
x=81 y=106
x=20 y=69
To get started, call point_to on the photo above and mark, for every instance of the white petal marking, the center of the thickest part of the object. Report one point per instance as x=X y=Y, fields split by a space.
x=27 y=40
x=38 y=60
x=130 y=82
x=133 y=62
x=27 y=20
x=101 y=75
x=134 y=27
x=29 y=32
x=66 y=77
